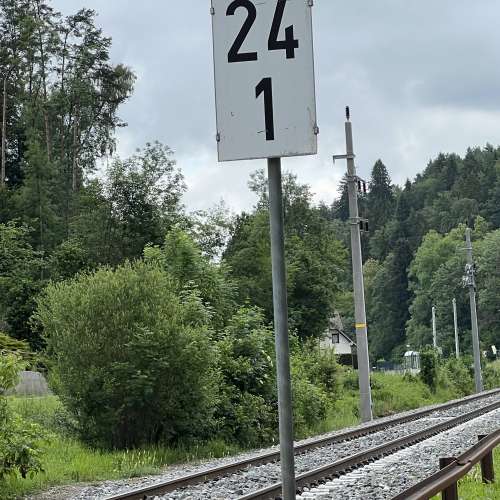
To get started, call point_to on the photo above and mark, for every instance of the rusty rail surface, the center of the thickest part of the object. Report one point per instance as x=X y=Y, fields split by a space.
x=453 y=469
x=162 y=488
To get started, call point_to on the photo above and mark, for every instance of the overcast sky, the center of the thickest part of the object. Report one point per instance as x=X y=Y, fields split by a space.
x=421 y=77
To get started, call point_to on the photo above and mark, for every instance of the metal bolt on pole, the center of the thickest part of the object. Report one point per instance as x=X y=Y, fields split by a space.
x=455 y=323
x=281 y=328
x=471 y=281
x=359 y=290
x=434 y=329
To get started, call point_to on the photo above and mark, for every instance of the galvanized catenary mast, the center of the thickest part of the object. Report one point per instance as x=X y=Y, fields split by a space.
x=357 y=265
x=470 y=281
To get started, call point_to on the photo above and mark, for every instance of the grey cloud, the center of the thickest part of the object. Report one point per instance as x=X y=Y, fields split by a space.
x=421 y=77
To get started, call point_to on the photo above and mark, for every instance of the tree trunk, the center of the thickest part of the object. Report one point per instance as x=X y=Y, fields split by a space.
x=75 y=151
x=63 y=110
x=4 y=131
x=47 y=133
x=44 y=80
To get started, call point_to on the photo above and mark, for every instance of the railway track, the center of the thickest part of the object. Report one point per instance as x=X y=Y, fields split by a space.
x=323 y=473
x=335 y=469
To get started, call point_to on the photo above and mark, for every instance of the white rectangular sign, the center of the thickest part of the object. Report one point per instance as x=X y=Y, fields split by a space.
x=264 y=78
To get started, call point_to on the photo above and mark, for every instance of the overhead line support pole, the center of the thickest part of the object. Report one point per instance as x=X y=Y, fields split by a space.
x=471 y=282
x=434 y=328
x=281 y=328
x=455 y=323
x=359 y=290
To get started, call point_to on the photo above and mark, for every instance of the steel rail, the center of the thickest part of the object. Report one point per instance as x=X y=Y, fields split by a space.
x=345 y=465
x=273 y=456
x=449 y=475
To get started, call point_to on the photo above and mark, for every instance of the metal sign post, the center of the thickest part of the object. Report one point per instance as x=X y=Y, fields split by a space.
x=470 y=281
x=281 y=328
x=266 y=108
x=359 y=289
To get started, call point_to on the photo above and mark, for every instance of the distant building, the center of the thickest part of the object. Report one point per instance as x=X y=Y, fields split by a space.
x=335 y=338
x=411 y=362
x=31 y=384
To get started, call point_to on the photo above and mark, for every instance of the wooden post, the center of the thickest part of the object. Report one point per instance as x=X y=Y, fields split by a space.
x=450 y=493
x=487 y=469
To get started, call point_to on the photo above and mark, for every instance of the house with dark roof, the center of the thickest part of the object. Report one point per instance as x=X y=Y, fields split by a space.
x=335 y=338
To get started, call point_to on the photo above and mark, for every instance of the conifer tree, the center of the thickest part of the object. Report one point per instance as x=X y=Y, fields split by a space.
x=380 y=199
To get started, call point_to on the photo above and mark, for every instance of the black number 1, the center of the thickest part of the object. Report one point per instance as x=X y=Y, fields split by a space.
x=266 y=86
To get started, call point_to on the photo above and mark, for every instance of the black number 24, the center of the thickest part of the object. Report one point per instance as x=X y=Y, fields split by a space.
x=289 y=44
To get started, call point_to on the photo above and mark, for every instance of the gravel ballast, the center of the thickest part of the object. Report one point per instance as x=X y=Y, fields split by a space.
x=254 y=478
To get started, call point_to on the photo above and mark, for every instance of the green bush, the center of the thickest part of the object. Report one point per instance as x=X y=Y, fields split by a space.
x=18 y=439
x=322 y=368
x=310 y=403
x=491 y=375
x=247 y=410
x=429 y=367
x=130 y=358
x=182 y=258
x=317 y=378
x=21 y=348
x=456 y=376
x=351 y=380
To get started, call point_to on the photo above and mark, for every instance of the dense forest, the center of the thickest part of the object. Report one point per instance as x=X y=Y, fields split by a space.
x=69 y=205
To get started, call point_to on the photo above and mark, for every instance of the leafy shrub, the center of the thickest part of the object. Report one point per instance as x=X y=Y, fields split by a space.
x=456 y=376
x=18 y=438
x=21 y=348
x=130 y=358
x=351 y=380
x=322 y=368
x=182 y=258
x=314 y=385
x=310 y=403
x=429 y=367
x=247 y=411
x=9 y=344
x=491 y=375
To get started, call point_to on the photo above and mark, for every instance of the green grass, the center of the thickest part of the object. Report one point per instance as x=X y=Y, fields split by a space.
x=66 y=460
x=472 y=488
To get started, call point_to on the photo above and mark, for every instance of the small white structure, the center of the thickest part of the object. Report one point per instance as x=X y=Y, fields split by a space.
x=411 y=363
x=31 y=384
x=335 y=338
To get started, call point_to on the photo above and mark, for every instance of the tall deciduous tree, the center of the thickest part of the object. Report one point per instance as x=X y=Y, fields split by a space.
x=316 y=259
